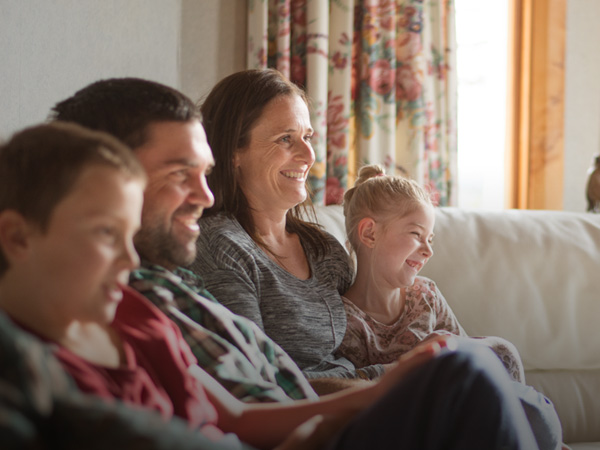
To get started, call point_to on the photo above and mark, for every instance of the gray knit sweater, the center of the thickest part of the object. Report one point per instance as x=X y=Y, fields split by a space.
x=305 y=317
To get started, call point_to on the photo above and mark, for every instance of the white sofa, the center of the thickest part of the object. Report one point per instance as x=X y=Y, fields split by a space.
x=532 y=277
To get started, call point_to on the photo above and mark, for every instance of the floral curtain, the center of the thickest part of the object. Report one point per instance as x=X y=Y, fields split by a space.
x=381 y=78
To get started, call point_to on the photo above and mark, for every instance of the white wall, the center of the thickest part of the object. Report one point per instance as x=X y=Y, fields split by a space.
x=51 y=48
x=213 y=43
x=582 y=99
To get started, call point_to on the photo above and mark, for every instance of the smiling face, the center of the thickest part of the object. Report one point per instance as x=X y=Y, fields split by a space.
x=402 y=246
x=177 y=159
x=86 y=253
x=273 y=168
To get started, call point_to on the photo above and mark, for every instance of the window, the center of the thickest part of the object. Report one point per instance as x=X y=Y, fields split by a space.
x=511 y=63
x=482 y=44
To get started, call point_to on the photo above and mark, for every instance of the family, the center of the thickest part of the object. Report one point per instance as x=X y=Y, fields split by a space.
x=162 y=285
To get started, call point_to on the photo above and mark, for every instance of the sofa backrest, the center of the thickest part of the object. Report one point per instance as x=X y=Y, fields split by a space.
x=532 y=277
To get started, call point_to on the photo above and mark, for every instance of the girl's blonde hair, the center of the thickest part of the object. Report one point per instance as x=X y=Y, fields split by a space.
x=381 y=197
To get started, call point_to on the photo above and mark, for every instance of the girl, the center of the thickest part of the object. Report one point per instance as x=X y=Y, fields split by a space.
x=389 y=222
x=389 y=308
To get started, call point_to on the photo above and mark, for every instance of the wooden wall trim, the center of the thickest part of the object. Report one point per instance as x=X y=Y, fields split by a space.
x=535 y=123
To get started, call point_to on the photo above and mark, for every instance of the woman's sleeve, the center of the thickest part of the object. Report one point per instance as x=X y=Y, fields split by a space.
x=235 y=289
x=229 y=273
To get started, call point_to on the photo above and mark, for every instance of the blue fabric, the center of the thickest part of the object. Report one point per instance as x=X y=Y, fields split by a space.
x=542 y=417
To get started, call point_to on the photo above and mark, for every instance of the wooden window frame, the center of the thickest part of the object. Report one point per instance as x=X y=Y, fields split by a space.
x=535 y=108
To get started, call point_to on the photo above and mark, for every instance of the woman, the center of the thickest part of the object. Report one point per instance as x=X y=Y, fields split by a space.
x=256 y=254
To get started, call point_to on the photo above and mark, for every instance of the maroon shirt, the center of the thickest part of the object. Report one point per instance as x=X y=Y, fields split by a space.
x=155 y=373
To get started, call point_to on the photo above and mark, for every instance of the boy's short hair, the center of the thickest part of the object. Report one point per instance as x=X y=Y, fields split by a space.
x=40 y=165
x=124 y=107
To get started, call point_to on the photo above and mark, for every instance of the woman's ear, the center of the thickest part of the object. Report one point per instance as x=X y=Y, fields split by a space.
x=14 y=235
x=366 y=231
x=236 y=160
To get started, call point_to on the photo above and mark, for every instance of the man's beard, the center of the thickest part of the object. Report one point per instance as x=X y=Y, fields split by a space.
x=159 y=246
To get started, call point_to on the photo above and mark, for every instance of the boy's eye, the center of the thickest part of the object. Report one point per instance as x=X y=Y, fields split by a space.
x=107 y=233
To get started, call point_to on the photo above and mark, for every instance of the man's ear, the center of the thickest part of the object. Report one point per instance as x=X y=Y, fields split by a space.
x=366 y=231
x=14 y=235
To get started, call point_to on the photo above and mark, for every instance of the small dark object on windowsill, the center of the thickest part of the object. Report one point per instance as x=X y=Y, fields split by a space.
x=592 y=191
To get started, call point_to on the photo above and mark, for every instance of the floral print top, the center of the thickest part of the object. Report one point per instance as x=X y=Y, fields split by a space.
x=426 y=314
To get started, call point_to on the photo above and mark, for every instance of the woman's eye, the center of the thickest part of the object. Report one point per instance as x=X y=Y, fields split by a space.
x=308 y=138
x=286 y=139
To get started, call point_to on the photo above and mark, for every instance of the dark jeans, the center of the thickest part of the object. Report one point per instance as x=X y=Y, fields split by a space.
x=461 y=399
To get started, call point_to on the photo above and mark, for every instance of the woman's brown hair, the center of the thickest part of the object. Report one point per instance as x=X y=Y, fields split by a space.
x=229 y=114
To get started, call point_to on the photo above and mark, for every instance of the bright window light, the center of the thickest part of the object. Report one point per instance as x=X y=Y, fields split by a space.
x=481 y=33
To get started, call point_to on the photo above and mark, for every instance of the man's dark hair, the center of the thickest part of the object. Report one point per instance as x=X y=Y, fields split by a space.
x=124 y=107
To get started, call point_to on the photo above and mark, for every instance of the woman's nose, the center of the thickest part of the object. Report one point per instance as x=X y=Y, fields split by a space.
x=305 y=152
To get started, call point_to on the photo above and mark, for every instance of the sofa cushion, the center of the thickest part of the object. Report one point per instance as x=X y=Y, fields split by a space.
x=532 y=277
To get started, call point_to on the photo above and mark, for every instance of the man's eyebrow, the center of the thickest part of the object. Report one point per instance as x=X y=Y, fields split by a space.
x=179 y=162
